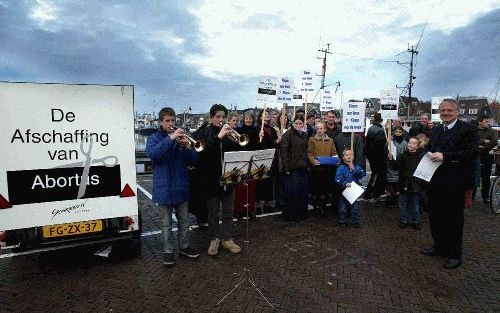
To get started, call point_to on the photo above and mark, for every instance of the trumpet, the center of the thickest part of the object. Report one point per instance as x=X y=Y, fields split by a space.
x=199 y=145
x=241 y=139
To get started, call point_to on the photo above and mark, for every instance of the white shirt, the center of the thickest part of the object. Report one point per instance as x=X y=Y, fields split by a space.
x=450 y=126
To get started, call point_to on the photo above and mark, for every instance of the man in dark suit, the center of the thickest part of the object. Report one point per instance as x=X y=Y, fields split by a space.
x=455 y=144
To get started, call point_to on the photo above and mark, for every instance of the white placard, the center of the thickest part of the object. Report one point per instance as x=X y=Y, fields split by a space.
x=72 y=159
x=307 y=82
x=353 y=193
x=353 y=116
x=267 y=89
x=326 y=100
x=389 y=101
x=298 y=98
x=435 y=102
x=426 y=168
x=285 y=90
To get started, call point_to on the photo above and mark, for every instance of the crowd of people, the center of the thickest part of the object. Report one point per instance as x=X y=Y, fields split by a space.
x=314 y=162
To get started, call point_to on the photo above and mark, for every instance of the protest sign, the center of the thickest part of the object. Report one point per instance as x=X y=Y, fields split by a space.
x=267 y=88
x=353 y=116
x=298 y=98
x=307 y=81
x=75 y=158
x=326 y=100
x=389 y=100
x=285 y=90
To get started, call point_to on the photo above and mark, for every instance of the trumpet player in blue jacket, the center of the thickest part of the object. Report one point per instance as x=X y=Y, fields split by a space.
x=172 y=154
x=346 y=174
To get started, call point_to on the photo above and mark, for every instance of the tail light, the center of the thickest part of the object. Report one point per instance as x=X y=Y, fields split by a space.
x=128 y=221
x=3 y=236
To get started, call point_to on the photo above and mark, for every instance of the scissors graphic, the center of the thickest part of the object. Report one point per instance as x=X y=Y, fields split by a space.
x=108 y=161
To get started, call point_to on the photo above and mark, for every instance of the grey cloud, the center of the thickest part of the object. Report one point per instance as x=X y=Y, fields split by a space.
x=464 y=62
x=86 y=48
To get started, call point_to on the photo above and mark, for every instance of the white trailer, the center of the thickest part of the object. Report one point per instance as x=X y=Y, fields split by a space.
x=67 y=170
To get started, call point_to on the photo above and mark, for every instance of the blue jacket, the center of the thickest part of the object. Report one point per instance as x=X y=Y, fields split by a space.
x=170 y=168
x=344 y=175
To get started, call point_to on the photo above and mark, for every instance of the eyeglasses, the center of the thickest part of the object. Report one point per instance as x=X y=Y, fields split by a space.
x=447 y=111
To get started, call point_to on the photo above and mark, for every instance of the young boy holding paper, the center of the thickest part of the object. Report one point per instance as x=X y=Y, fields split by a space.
x=346 y=174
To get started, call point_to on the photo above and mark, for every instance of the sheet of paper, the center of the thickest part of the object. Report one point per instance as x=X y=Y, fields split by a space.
x=394 y=151
x=353 y=193
x=426 y=168
x=235 y=166
x=261 y=165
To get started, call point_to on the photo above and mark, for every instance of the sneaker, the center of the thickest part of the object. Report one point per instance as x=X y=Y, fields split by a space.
x=342 y=224
x=189 y=252
x=487 y=200
x=214 y=247
x=356 y=225
x=416 y=226
x=372 y=200
x=168 y=259
x=231 y=246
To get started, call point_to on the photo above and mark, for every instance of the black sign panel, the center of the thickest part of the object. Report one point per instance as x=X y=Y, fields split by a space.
x=57 y=184
x=270 y=92
x=388 y=107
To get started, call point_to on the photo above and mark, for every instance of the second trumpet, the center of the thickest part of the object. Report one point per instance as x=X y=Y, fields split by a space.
x=241 y=139
x=198 y=145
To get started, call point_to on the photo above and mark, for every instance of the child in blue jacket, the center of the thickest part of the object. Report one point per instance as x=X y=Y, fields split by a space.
x=346 y=174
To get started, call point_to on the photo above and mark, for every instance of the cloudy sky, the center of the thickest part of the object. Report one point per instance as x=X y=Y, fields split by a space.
x=196 y=53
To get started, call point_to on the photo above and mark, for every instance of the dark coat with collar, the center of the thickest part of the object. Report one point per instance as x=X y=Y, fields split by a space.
x=407 y=163
x=209 y=168
x=459 y=146
x=293 y=150
x=376 y=142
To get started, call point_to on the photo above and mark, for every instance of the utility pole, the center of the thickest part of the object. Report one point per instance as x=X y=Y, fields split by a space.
x=413 y=52
x=323 y=72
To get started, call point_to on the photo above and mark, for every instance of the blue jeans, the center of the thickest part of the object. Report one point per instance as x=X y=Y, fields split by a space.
x=355 y=211
x=181 y=211
x=409 y=201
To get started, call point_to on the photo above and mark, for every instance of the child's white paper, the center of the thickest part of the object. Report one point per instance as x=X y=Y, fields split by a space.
x=353 y=193
x=426 y=168
x=394 y=151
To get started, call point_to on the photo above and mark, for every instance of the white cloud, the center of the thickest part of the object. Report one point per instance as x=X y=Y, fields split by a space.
x=294 y=30
x=44 y=11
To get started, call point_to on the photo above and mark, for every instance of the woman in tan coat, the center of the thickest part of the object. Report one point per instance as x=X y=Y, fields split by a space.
x=321 y=176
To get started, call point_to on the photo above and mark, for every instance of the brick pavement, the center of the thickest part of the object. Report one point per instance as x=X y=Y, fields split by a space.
x=311 y=267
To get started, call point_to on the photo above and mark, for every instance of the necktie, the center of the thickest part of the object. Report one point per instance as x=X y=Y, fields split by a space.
x=445 y=128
